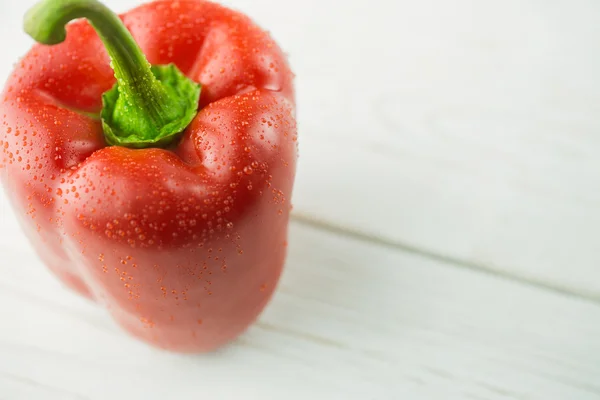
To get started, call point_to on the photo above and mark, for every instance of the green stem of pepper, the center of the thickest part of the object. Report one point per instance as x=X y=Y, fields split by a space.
x=149 y=105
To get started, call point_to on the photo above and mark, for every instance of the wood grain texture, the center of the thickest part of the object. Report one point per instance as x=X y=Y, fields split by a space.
x=434 y=136
x=20 y=388
x=351 y=320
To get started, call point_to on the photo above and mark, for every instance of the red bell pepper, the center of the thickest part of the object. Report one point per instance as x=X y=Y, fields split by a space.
x=166 y=205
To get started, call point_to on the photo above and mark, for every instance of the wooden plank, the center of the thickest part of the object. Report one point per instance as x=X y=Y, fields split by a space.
x=496 y=225
x=351 y=320
x=19 y=388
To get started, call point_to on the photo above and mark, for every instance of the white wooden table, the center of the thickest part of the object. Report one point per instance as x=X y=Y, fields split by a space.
x=445 y=242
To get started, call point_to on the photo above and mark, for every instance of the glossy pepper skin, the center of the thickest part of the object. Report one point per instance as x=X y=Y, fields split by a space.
x=184 y=245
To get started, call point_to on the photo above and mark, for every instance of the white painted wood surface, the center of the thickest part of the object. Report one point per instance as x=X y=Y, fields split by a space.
x=440 y=141
x=351 y=320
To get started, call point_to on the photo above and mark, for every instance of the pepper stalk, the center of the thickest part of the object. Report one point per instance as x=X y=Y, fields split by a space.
x=149 y=106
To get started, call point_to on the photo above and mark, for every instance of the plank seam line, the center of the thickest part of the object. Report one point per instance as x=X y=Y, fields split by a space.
x=377 y=240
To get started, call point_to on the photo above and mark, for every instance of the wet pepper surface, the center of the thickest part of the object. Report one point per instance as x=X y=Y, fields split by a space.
x=184 y=244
